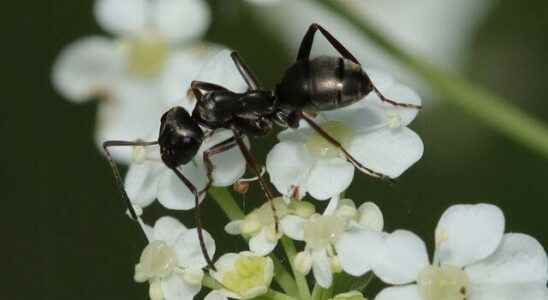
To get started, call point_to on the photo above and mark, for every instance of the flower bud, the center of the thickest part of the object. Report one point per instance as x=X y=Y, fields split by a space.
x=303 y=262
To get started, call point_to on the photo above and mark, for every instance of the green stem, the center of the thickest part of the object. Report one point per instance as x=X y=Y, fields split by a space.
x=317 y=292
x=300 y=279
x=493 y=110
x=361 y=284
x=224 y=199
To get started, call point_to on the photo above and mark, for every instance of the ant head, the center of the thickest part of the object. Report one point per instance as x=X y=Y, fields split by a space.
x=180 y=137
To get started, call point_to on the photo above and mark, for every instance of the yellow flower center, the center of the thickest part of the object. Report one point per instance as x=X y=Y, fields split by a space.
x=147 y=55
x=443 y=283
x=158 y=260
x=321 y=148
x=321 y=231
x=247 y=277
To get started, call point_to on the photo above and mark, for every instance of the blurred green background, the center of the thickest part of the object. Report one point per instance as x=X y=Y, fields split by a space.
x=66 y=233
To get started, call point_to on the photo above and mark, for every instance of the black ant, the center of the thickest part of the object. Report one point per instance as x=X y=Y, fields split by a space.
x=308 y=86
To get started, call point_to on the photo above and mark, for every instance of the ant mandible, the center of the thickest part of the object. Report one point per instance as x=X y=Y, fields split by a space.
x=308 y=86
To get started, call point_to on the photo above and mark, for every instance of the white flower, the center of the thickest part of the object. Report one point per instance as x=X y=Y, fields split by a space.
x=473 y=260
x=148 y=178
x=243 y=275
x=172 y=262
x=138 y=71
x=260 y=224
x=374 y=132
x=343 y=238
x=352 y=295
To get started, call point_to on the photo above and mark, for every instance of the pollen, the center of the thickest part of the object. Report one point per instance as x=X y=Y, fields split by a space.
x=147 y=55
x=322 y=148
x=321 y=231
x=443 y=283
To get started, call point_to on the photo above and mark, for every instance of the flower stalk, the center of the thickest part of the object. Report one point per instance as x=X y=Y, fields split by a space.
x=493 y=110
x=300 y=279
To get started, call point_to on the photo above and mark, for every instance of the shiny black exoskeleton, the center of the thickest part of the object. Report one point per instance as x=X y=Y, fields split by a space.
x=308 y=86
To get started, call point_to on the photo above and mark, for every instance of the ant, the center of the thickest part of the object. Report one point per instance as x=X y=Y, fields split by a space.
x=308 y=86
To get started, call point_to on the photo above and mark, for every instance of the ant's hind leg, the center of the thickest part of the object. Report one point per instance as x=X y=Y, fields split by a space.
x=244 y=70
x=395 y=103
x=197 y=216
x=308 y=39
x=348 y=156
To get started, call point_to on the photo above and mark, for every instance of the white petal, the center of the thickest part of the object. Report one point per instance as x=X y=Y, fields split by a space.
x=233 y=227
x=358 y=250
x=260 y=244
x=523 y=291
x=87 y=68
x=141 y=182
x=401 y=94
x=215 y=295
x=403 y=256
x=181 y=68
x=332 y=205
x=321 y=268
x=371 y=216
x=223 y=264
x=388 y=151
x=293 y=227
x=288 y=164
x=221 y=70
x=176 y=288
x=180 y=20
x=121 y=17
x=133 y=112
x=519 y=258
x=189 y=252
x=329 y=177
x=408 y=292
x=167 y=229
x=363 y=119
x=174 y=194
x=228 y=166
x=468 y=233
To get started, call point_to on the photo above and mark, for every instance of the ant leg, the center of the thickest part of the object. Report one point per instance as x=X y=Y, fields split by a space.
x=348 y=156
x=244 y=70
x=308 y=39
x=254 y=166
x=197 y=216
x=394 y=103
x=116 y=172
x=215 y=149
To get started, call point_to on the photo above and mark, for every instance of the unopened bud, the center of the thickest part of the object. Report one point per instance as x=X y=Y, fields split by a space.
x=303 y=262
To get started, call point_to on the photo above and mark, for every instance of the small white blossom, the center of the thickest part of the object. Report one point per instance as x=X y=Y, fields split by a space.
x=260 y=224
x=172 y=262
x=352 y=295
x=148 y=178
x=473 y=260
x=372 y=131
x=342 y=238
x=242 y=275
x=149 y=61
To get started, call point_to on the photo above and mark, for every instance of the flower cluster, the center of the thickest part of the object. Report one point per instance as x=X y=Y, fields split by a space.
x=148 y=65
